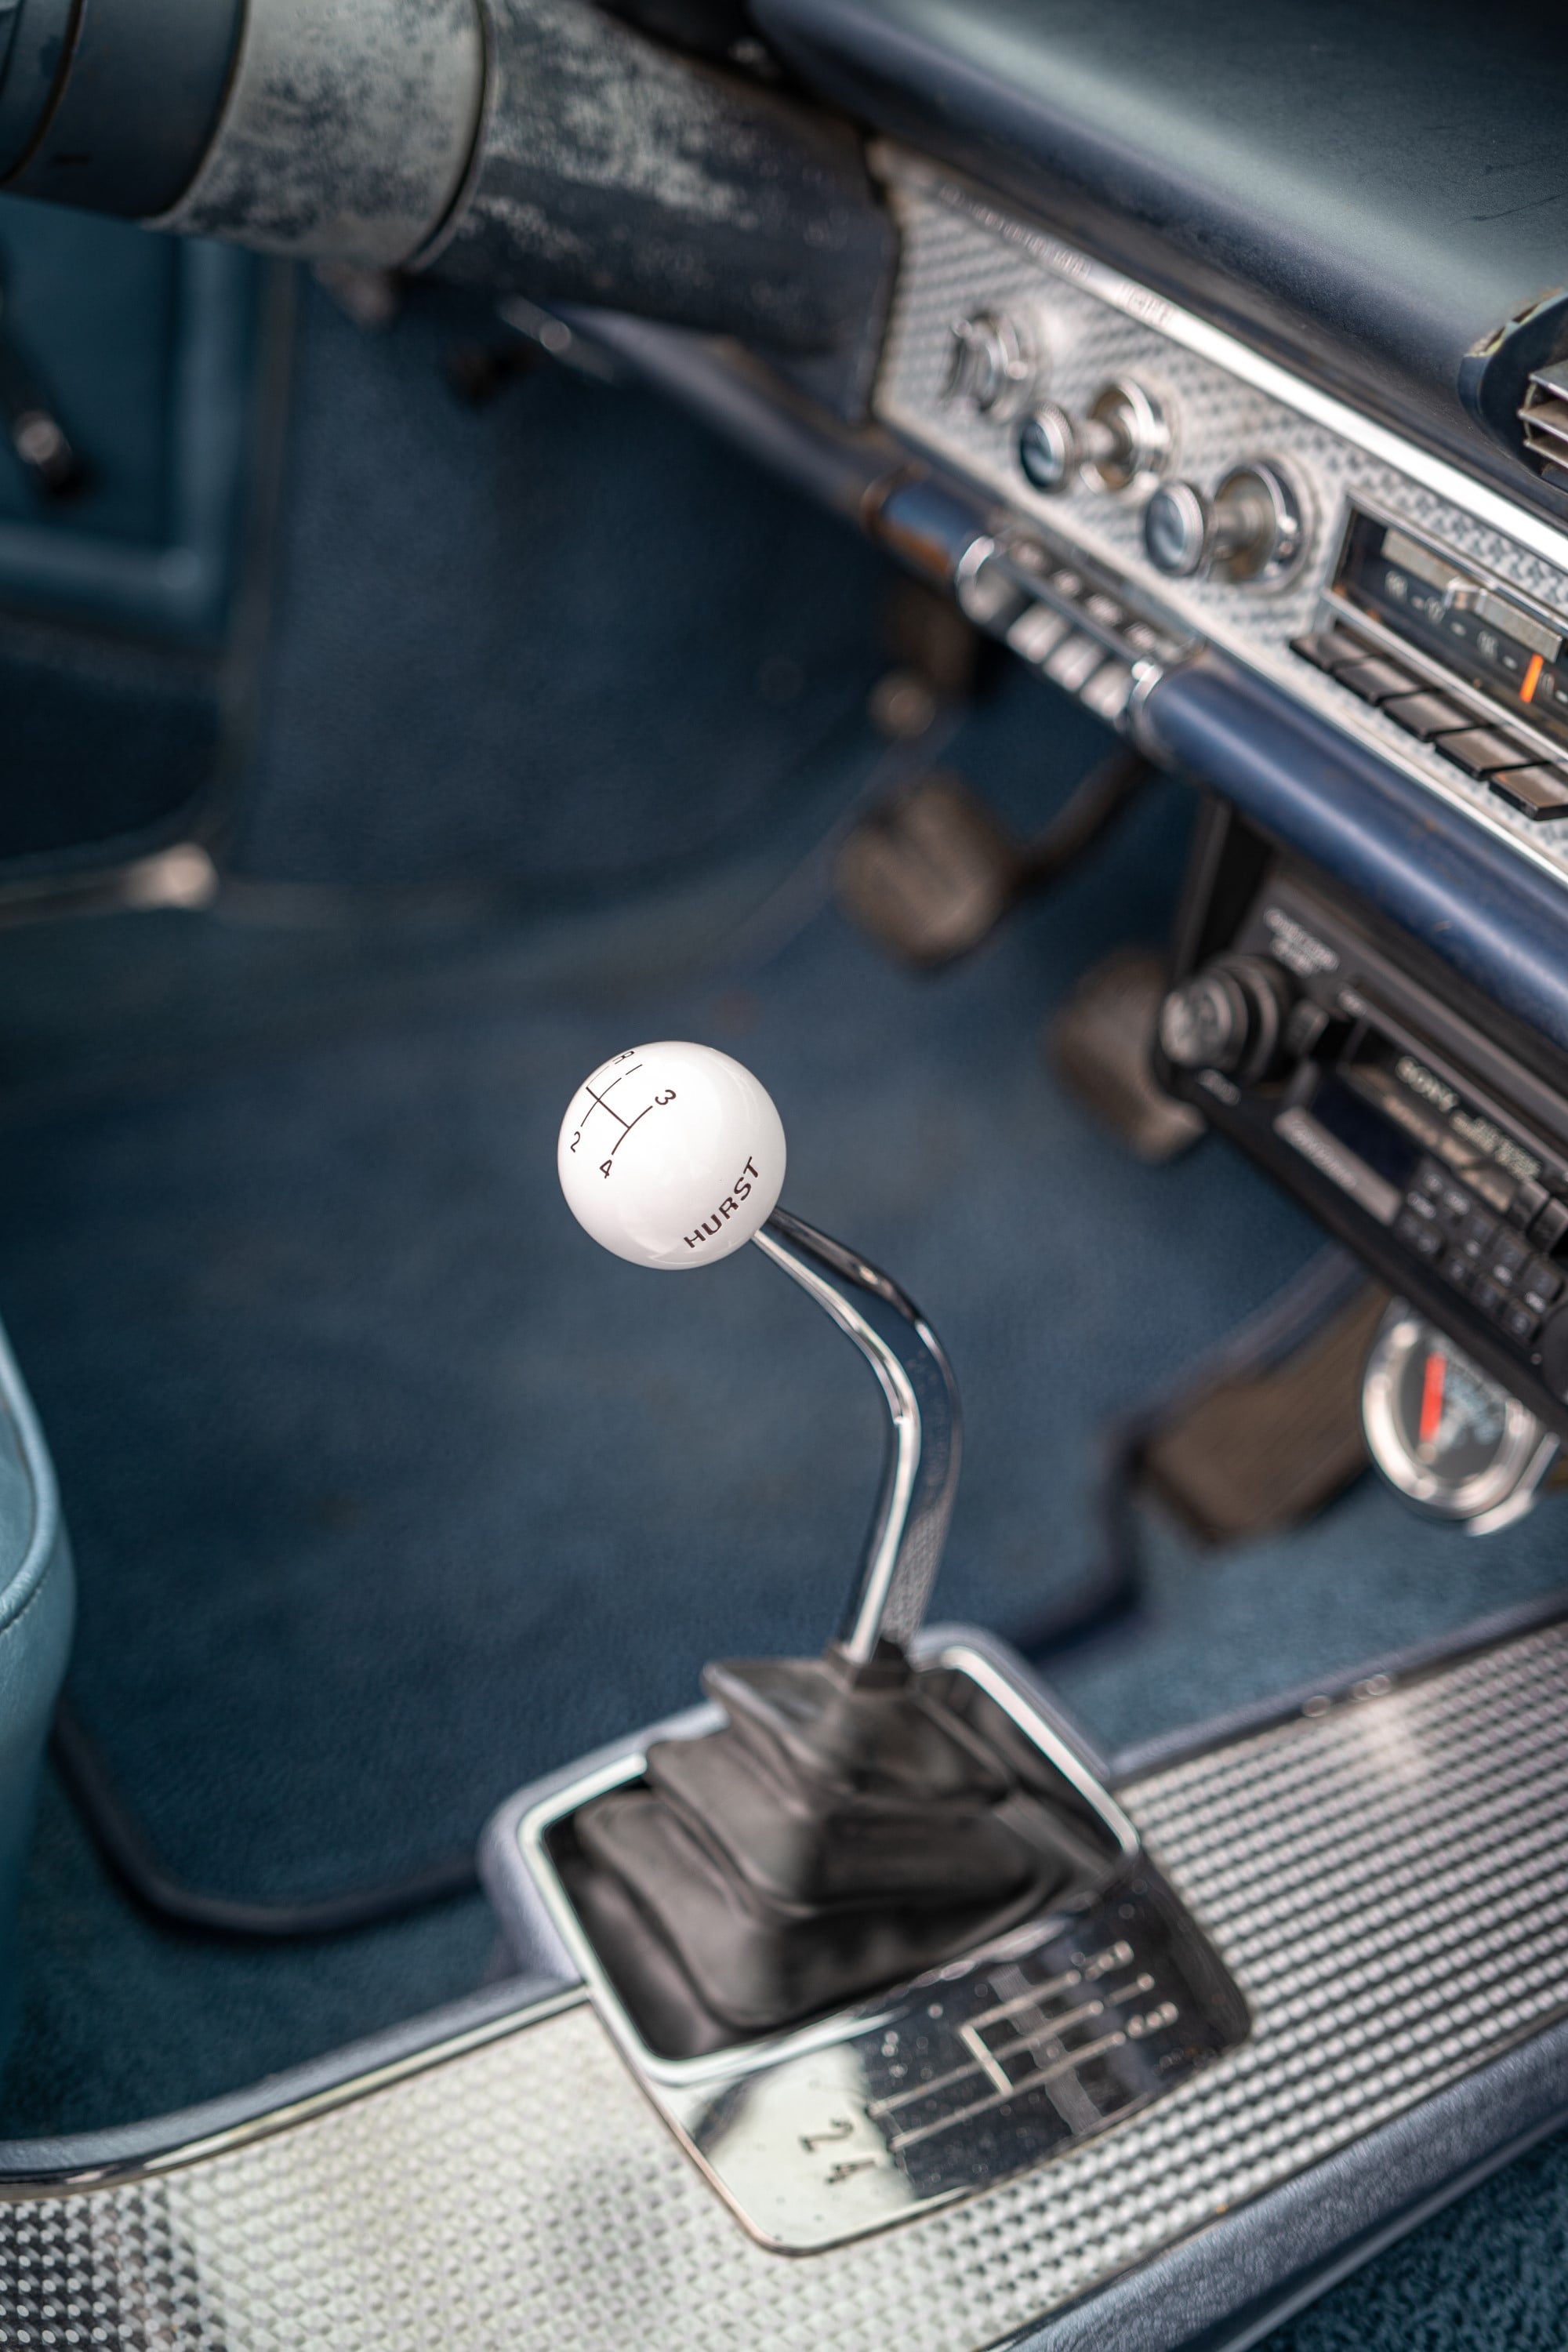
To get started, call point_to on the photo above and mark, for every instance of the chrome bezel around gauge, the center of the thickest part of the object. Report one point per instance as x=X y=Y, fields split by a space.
x=970 y=2074
x=1485 y=1500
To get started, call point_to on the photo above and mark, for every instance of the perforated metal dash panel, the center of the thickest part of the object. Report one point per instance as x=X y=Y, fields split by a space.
x=961 y=254
x=1388 y=1880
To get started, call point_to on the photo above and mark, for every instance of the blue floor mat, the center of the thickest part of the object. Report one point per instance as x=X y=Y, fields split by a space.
x=391 y=1491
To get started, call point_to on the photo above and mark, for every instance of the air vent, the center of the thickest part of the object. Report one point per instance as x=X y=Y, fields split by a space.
x=1543 y=412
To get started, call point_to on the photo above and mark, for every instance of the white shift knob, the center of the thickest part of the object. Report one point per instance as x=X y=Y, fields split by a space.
x=671 y=1155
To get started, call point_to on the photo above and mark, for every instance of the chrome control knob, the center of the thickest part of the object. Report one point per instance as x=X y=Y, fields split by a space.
x=996 y=362
x=1253 y=529
x=1125 y=436
x=1048 y=447
x=1226 y=1017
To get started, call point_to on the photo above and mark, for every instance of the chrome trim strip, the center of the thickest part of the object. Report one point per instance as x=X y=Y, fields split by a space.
x=903 y=167
x=19 y=2188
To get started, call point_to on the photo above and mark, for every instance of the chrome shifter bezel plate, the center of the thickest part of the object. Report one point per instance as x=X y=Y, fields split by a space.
x=965 y=2076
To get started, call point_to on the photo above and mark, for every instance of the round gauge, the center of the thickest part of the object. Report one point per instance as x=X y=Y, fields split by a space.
x=1443 y=1432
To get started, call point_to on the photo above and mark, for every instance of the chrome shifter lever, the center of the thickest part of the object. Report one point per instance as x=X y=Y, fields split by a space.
x=850 y=1842
x=909 y=1530
x=843 y=1825
x=673 y=1155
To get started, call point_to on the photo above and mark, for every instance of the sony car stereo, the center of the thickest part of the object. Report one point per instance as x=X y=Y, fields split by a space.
x=1418 y=1126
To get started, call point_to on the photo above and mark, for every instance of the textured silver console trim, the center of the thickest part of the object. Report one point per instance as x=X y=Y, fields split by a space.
x=1387 y=1875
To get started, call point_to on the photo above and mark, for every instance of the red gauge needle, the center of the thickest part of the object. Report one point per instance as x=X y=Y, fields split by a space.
x=1432 y=1388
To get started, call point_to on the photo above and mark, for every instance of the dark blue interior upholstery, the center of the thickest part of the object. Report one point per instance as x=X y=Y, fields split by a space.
x=389 y=1491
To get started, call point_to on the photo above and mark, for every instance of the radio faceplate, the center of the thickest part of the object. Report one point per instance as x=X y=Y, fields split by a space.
x=1222 y=410
x=1431 y=1143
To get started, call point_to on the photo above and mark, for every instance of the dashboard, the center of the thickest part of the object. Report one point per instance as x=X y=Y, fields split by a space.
x=1162 y=488
x=1319 y=564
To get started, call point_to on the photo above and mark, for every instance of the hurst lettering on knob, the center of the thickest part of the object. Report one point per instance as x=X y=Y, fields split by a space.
x=671 y=1155
x=729 y=1206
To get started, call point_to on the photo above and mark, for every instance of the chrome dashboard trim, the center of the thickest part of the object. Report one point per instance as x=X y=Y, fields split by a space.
x=902 y=167
x=1230 y=404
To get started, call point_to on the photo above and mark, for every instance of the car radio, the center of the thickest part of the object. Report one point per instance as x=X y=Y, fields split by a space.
x=1417 y=1125
x=1478 y=672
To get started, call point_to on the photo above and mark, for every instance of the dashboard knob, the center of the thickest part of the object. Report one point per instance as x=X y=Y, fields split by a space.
x=1124 y=435
x=1177 y=522
x=996 y=360
x=1226 y=1017
x=1048 y=447
x=1253 y=527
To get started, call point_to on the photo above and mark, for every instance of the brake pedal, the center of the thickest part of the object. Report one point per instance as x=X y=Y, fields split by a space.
x=930 y=873
x=1098 y=1043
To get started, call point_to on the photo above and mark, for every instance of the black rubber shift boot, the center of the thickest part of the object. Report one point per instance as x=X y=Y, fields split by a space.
x=842 y=1831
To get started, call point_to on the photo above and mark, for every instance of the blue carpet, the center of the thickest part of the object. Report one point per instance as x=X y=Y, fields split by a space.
x=390 y=1491
x=566 y=639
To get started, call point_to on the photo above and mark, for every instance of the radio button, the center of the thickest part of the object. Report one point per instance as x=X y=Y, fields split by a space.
x=1550 y=1227
x=1074 y=662
x=1521 y=1325
x=1539 y=1287
x=1482 y=752
x=1506 y=1259
x=1107 y=691
x=1374 y=680
x=1529 y=1199
x=1425 y=715
x=1540 y=791
x=1423 y=1238
x=1330 y=648
x=1452 y=1202
x=1477 y=1232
